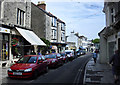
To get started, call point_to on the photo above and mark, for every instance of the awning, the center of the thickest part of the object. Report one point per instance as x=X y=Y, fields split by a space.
x=31 y=37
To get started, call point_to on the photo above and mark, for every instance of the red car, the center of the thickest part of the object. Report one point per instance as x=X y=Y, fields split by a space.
x=65 y=58
x=28 y=66
x=54 y=59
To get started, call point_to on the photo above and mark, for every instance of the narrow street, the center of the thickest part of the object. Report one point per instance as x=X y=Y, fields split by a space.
x=69 y=73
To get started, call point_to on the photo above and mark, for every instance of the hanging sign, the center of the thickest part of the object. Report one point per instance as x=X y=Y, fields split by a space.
x=14 y=41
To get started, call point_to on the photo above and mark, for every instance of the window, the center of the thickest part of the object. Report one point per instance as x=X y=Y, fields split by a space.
x=62 y=26
x=112 y=15
x=20 y=17
x=0 y=9
x=63 y=36
x=54 y=34
x=54 y=22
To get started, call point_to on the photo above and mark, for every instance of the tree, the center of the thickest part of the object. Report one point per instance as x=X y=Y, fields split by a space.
x=47 y=47
x=96 y=40
x=47 y=42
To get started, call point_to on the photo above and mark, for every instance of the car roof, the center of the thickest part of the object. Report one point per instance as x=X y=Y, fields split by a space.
x=68 y=50
x=32 y=55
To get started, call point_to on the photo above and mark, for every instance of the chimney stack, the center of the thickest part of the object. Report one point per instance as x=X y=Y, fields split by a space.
x=41 y=4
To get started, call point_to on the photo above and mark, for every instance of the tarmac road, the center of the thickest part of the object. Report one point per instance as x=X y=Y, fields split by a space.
x=71 y=73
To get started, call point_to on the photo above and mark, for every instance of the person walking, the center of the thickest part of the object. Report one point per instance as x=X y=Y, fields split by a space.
x=95 y=57
x=115 y=61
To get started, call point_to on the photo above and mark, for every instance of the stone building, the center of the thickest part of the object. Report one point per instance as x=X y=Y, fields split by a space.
x=16 y=35
x=49 y=26
x=110 y=35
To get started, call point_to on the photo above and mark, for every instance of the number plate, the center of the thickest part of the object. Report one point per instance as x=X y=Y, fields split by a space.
x=17 y=73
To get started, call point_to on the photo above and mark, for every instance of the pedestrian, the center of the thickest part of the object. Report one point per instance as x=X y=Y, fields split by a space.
x=94 y=57
x=97 y=51
x=115 y=61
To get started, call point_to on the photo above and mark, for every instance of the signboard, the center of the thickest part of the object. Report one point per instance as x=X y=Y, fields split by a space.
x=4 y=30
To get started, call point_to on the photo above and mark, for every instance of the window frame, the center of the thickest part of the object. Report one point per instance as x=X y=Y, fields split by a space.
x=20 y=17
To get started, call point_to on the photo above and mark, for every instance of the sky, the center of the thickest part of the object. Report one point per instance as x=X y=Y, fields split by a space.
x=85 y=17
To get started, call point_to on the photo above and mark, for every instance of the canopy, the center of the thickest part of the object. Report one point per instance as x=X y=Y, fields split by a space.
x=31 y=37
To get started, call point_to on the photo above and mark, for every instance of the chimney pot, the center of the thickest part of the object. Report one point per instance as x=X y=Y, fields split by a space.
x=41 y=4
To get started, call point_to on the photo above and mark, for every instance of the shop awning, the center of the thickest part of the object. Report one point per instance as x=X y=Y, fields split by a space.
x=31 y=37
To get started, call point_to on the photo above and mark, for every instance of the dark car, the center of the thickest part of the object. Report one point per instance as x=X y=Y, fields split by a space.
x=28 y=66
x=54 y=60
x=65 y=57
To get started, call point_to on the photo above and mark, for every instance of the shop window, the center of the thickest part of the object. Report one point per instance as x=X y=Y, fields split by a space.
x=4 y=47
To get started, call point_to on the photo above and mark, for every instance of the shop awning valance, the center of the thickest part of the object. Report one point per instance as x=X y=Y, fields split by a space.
x=31 y=37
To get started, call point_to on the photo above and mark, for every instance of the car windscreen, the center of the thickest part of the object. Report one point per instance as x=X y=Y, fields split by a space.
x=62 y=54
x=50 y=56
x=67 y=52
x=30 y=59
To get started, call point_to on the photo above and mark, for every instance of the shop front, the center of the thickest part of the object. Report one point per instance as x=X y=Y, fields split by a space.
x=58 y=47
x=4 y=45
x=24 y=42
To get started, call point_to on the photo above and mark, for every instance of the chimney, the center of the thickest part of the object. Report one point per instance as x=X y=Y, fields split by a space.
x=41 y=4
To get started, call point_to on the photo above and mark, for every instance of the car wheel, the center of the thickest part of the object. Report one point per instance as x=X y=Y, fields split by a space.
x=35 y=74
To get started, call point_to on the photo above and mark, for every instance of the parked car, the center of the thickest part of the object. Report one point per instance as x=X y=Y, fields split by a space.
x=65 y=57
x=28 y=66
x=70 y=54
x=54 y=59
x=82 y=52
x=78 y=52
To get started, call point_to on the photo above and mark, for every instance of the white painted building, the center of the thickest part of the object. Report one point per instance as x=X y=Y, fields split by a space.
x=110 y=35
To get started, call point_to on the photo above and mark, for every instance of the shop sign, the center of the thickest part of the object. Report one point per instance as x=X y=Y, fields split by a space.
x=4 y=30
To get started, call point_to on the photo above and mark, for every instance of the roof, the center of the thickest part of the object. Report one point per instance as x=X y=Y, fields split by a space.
x=101 y=31
x=48 y=13
x=42 y=9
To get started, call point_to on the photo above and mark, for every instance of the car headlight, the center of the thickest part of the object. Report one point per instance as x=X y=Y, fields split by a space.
x=53 y=61
x=9 y=69
x=28 y=70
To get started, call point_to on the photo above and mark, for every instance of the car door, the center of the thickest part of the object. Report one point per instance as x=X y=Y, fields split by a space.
x=44 y=61
x=40 y=64
x=59 y=58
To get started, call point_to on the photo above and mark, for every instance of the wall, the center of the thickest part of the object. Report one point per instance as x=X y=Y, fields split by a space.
x=38 y=21
x=48 y=28
x=10 y=12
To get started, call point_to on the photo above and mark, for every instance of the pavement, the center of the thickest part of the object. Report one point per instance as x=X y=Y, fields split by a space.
x=3 y=73
x=98 y=74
